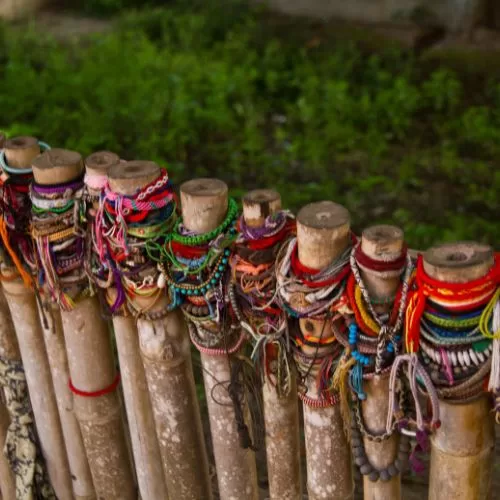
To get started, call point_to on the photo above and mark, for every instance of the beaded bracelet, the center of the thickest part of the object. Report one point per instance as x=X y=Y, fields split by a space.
x=199 y=239
x=201 y=288
x=19 y=171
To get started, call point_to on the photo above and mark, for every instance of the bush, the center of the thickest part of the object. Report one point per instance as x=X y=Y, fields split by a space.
x=214 y=90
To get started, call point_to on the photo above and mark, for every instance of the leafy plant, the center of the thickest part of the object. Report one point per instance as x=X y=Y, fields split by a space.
x=220 y=89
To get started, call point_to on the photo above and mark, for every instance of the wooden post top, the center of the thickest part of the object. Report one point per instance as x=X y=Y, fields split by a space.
x=204 y=204
x=129 y=177
x=100 y=162
x=382 y=242
x=57 y=166
x=21 y=151
x=458 y=262
x=323 y=232
x=259 y=204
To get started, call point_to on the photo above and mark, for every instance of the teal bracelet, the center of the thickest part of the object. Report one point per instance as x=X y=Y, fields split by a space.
x=11 y=170
x=199 y=239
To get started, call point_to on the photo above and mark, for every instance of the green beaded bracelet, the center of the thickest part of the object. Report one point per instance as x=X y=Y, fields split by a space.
x=200 y=239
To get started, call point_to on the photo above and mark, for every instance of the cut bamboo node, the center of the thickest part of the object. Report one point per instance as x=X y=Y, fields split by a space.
x=204 y=204
x=57 y=166
x=259 y=204
x=383 y=243
x=20 y=151
x=100 y=162
x=458 y=262
x=322 y=233
x=128 y=177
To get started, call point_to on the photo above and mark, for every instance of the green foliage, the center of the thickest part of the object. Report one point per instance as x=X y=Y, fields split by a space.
x=213 y=89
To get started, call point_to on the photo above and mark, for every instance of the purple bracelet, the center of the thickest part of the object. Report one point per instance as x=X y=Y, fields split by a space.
x=272 y=225
x=59 y=188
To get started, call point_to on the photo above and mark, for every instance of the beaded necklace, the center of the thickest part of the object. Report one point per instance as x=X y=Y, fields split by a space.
x=372 y=342
x=386 y=329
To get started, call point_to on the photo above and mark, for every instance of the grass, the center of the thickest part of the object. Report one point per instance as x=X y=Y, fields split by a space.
x=219 y=89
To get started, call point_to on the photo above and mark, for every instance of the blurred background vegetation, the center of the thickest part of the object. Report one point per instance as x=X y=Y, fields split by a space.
x=262 y=100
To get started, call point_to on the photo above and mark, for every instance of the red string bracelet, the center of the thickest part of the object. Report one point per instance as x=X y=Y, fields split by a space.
x=452 y=309
x=95 y=394
x=268 y=242
x=300 y=270
x=380 y=265
x=188 y=252
x=428 y=287
x=491 y=278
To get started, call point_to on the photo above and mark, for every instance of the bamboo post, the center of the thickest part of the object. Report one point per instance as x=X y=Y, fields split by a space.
x=380 y=243
x=204 y=205
x=281 y=415
x=50 y=319
x=19 y=153
x=323 y=232
x=462 y=449
x=9 y=351
x=171 y=402
x=7 y=484
x=23 y=308
x=91 y=365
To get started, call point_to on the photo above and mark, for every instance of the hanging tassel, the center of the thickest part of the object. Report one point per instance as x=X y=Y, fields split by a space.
x=356 y=381
x=340 y=385
x=493 y=311
x=414 y=370
x=25 y=276
x=447 y=366
x=414 y=312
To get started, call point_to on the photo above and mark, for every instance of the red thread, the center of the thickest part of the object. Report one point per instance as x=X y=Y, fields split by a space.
x=188 y=252
x=300 y=270
x=380 y=265
x=95 y=394
x=430 y=287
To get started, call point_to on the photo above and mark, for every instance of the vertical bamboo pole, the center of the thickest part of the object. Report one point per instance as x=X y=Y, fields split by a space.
x=281 y=415
x=462 y=449
x=179 y=446
x=23 y=308
x=7 y=484
x=9 y=351
x=50 y=319
x=323 y=232
x=380 y=243
x=204 y=206
x=91 y=365
x=19 y=153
